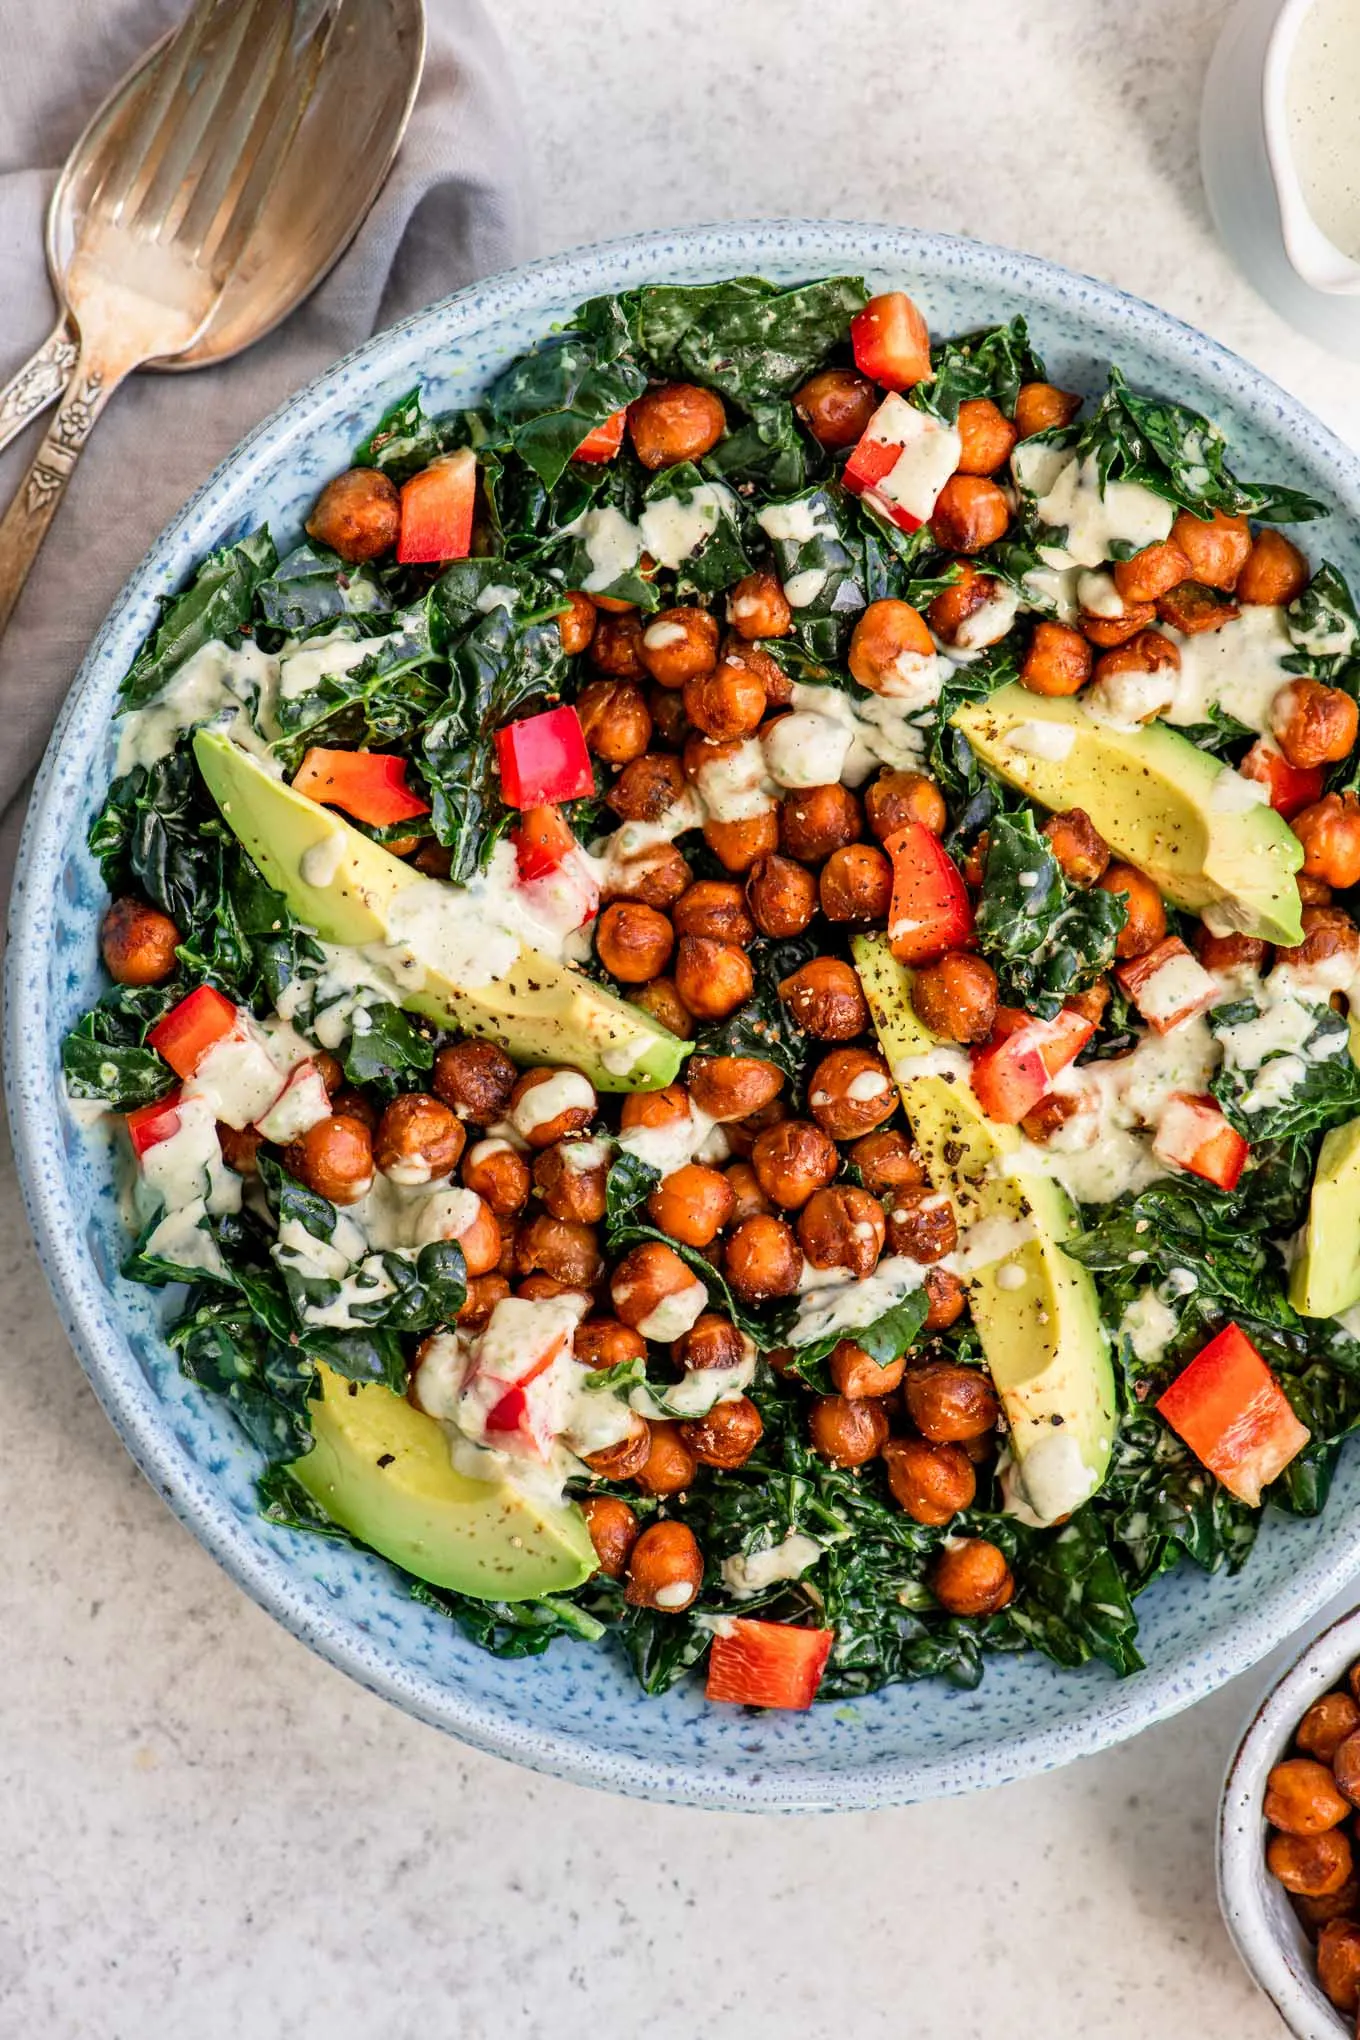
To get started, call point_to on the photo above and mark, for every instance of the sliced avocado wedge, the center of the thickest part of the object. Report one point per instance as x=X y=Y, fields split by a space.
x=1161 y=803
x=1035 y=1310
x=346 y=888
x=381 y=1470
x=1325 y=1279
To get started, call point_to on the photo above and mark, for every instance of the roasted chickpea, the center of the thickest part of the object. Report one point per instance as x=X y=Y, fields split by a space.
x=433 y=859
x=1330 y=834
x=1312 y=891
x=887 y=647
x=633 y=941
x=715 y=908
x=850 y=1092
x=1058 y=661
x=987 y=435
x=613 y=1531
x=896 y=798
x=792 y=1160
x=729 y=1087
x=666 y=1568
x=347 y=1103
x=240 y=1148
x=660 y=998
x=815 y=820
x=1048 y=1117
x=1313 y=724
x=678 y=421
x=949 y=1404
x=970 y=513
x=1191 y=608
x=645 y=789
x=484 y=1292
x=1216 y=547
x=947 y=1297
x=477 y=1079
x=505 y=1259
x=1326 y=1725
x=847 y=1433
x=842 y=1227
x=956 y=996
x=930 y=1482
x=334 y=1158
x=856 y=884
x=616 y=648
x=921 y=1225
x=1338 y=1961
x=1301 y=1797
x=692 y=1204
x=559 y=1247
x=605 y=1342
x=713 y=978
x=655 y=877
x=857 y=1374
x=951 y=611
x=670 y=1465
x=763 y=1260
x=1146 y=923
x=747 y=1195
x=1083 y=854
x=540 y=1288
x=1310 y=1865
x=971 y=1577
x=1346 y=1767
x=1328 y=933
x=655 y=1293
x=758 y=607
x=138 y=943
x=1091 y=1003
x=781 y=895
x=726 y=703
x=727 y=1436
x=614 y=720
x=570 y=1106
x=418 y=1138
x=740 y=652
x=888 y=1162
x=1041 y=406
x=358 y=515
x=669 y=1107
x=576 y=623
x=477 y=1230
x=666 y=707
x=1149 y=652
x=570 y=1178
x=836 y=406
x=1274 y=571
x=1151 y=572
x=1110 y=631
x=739 y=845
x=826 y=999
x=1342 y=1903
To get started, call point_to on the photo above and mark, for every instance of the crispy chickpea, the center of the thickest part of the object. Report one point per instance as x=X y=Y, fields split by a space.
x=842 y=1227
x=974 y=863
x=655 y=877
x=138 y=943
x=782 y=896
x=850 y=1092
x=1338 y=1961
x=666 y=1568
x=1231 y=952
x=576 y=623
x=726 y=703
x=763 y=1260
x=418 y=1138
x=570 y=1178
x=1301 y=1797
x=738 y=651
x=1191 y=608
x=1310 y=1865
x=747 y=1196
x=836 y=406
x=692 y=1204
x=971 y=1577
x=857 y=1374
x=887 y=646
x=1330 y=834
x=930 y=1482
x=970 y=513
x=739 y=845
x=348 y=1103
x=559 y=1247
x=711 y=1341
x=1326 y=1725
x=660 y=998
x=792 y=1160
x=1146 y=923
x=1216 y=548
x=1048 y=1117
x=505 y=1259
x=922 y=1225
x=1274 y=571
x=815 y=820
x=678 y=421
x=847 y=1433
x=949 y=1404
x=1149 y=652
x=1328 y=933
x=896 y=798
x=1346 y=1767
x=330 y=1069
x=730 y=1087
x=1083 y=854
x=826 y=999
x=605 y=1342
x=633 y=941
x=727 y=1436
x=484 y=1292
x=1041 y=406
x=670 y=1466
x=666 y=707
x=969 y=592
x=477 y=1079
x=1109 y=631
x=334 y=1158
x=1091 y=1003
x=616 y=648
x=956 y=996
x=646 y=1280
x=614 y=720
x=1313 y=724
x=669 y=1107
x=1058 y=661
x=645 y=789
x=714 y=907
x=240 y=1148
x=433 y=859
x=758 y=607
x=1151 y=572
x=613 y=1531
x=573 y=1117
x=856 y=884
x=1344 y=1903
x=1312 y=891
x=947 y=1300
x=987 y=435
x=713 y=978
x=888 y=1162
x=358 y=515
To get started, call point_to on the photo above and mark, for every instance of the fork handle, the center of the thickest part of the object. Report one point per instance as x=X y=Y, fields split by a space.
x=34 y=505
x=39 y=382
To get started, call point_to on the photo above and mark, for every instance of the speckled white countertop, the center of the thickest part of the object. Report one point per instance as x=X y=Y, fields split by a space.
x=207 y=1833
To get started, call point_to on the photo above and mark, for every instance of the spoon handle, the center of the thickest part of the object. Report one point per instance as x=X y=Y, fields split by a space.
x=35 y=502
x=39 y=382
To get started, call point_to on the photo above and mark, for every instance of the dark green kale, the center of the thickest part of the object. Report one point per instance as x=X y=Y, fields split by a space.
x=764 y=1027
x=746 y=338
x=104 y=1056
x=554 y=396
x=387 y=1051
x=627 y=1187
x=992 y=362
x=1325 y=630
x=1320 y=1087
x=312 y=590
x=217 y=604
x=379 y=704
x=1045 y=938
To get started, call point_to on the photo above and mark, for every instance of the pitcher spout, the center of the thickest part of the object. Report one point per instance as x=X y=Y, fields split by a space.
x=1310 y=93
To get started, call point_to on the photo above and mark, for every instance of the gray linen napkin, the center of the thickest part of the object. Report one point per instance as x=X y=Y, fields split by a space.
x=452 y=210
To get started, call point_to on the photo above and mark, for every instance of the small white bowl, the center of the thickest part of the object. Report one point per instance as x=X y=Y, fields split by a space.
x=1265 y=1930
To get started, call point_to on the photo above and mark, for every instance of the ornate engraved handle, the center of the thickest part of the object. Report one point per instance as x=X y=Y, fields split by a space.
x=39 y=382
x=25 y=523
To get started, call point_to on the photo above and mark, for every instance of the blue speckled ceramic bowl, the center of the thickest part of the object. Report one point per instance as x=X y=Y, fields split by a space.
x=576 y=1712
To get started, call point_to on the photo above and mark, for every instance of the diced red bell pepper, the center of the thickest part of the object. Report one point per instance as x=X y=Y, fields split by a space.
x=436 y=509
x=151 y=1124
x=604 y=441
x=192 y=1027
x=370 y=785
x=1193 y=1134
x=1232 y=1413
x=1168 y=985
x=930 y=910
x=544 y=759
x=928 y=450
x=767 y=1664
x=1292 y=787
x=891 y=341
x=1015 y=1067
x=543 y=839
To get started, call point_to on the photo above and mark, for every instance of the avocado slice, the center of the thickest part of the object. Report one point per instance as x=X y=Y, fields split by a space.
x=381 y=1470
x=345 y=886
x=1326 y=1276
x=1035 y=1310
x=1161 y=803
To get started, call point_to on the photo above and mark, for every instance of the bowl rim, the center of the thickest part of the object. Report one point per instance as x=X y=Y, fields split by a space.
x=33 y=1104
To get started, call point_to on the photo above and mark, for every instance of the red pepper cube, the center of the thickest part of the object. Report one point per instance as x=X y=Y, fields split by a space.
x=1193 y=1134
x=1231 y=1411
x=1015 y=1067
x=603 y=442
x=1168 y=986
x=370 y=785
x=151 y=1124
x=1291 y=787
x=436 y=510
x=891 y=341
x=767 y=1664
x=903 y=460
x=543 y=841
x=192 y=1027
x=544 y=759
x=930 y=910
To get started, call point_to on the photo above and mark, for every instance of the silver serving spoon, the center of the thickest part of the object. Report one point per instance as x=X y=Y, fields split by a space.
x=337 y=164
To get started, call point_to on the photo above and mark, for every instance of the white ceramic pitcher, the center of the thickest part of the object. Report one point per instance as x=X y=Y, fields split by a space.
x=1295 y=40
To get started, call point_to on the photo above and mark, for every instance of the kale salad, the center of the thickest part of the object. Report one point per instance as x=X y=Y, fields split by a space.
x=730 y=997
